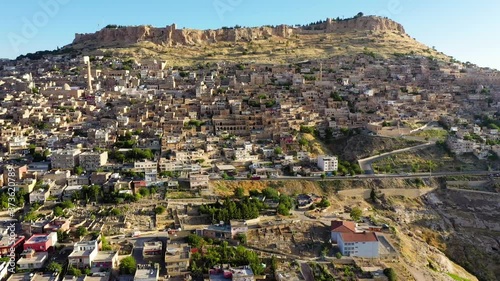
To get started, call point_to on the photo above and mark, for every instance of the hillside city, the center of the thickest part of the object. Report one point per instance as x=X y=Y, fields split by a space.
x=138 y=169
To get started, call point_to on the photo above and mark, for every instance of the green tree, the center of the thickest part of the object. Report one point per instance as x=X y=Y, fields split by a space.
x=54 y=267
x=278 y=151
x=239 y=192
x=66 y=204
x=242 y=238
x=128 y=266
x=373 y=195
x=116 y=212
x=144 y=192
x=105 y=244
x=81 y=231
x=58 y=211
x=78 y=170
x=324 y=203
x=283 y=210
x=270 y=193
x=195 y=241
x=74 y=271
x=62 y=235
x=356 y=213
x=390 y=273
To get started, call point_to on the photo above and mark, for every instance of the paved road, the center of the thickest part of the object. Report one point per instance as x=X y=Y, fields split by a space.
x=366 y=164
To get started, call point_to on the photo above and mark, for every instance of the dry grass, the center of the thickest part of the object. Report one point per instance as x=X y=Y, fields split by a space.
x=277 y=49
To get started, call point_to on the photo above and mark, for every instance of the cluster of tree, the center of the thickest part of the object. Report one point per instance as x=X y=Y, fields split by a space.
x=41 y=54
x=307 y=129
x=196 y=123
x=132 y=155
x=133 y=174
x=39 y=156
x=320 y=272
x=119 y=198
x=246 y=208
x=59 y=208
x=114 y=26
x=213 y=255
x=125 y=141
x=17 y=200
x=335 y=96
x=309 y=77
x=169 y=174
x=324 y=203
x=89 y=193
x=346 y=167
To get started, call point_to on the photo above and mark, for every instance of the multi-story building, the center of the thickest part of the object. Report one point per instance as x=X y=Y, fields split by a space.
x=143 y=166
x=30 y=259
x=91 y=161
x=83 y=254
x=198 y=181
x=39 y=196
x=364 y=244
x=152 y=249
x=17 y=144
x=328 y=163
x=243 y=273
x=177 y=258
x=64 y=159
x=105 y=260
x=41 y=242
x=352 y=242
x=6 y=244
x=14 y=174
x=146 y=272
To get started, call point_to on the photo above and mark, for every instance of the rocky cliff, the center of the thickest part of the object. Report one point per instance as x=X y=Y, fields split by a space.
x=171 y=36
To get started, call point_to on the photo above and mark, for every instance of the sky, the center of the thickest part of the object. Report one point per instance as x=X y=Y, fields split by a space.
x=467 y=30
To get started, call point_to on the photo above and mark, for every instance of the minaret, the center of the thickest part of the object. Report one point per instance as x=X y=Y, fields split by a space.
x=86 y=60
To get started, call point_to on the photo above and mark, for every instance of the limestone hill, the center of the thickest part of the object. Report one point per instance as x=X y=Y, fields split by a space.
x=372 y=35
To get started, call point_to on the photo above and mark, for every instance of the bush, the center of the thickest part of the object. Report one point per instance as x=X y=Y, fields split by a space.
x=159 y=210
x=390 y=273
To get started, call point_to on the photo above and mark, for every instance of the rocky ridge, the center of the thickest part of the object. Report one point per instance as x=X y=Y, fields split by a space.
x=172 y=36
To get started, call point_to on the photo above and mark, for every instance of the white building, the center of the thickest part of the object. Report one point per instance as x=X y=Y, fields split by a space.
x=328 y=163
x=83 y=254
x=364 y=244
x=145 y=272
x=352 y=242
x=143 y=166
x=30 y=259
x=64 y=159
x=91 y=161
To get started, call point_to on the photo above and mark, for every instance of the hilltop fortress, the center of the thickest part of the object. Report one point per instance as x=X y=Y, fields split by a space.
x=171 y=35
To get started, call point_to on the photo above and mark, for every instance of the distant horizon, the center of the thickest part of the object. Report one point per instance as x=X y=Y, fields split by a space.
x=38 y=25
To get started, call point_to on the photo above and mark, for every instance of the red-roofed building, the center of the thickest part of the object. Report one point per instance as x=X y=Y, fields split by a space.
x=352 y=243
x=364 y=244
x=339 y=227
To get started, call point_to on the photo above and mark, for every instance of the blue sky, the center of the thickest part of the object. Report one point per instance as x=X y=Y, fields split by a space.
x=467 y=30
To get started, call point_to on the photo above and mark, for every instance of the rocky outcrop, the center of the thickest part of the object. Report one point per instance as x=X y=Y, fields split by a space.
x=172 y=36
